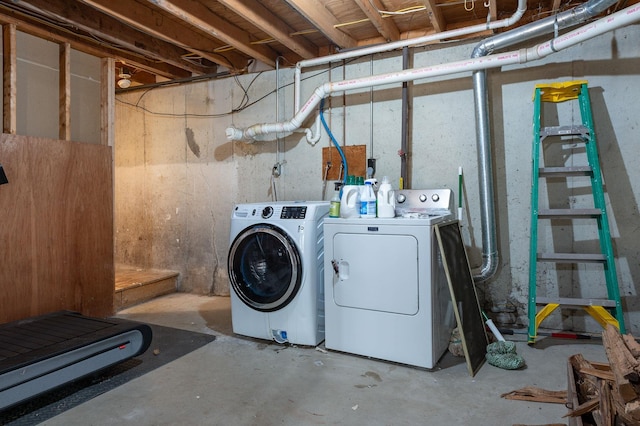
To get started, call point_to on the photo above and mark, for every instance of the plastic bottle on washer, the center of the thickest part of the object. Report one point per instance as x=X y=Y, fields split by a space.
x=386 y=199
x=350 y=199
x=334 y=206
x=368 y=201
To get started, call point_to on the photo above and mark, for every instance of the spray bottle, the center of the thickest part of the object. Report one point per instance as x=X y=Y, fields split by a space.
x=334 y=206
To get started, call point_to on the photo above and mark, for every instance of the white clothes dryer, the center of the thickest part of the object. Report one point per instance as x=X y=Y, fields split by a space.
x=386 y=292
x=276 y=271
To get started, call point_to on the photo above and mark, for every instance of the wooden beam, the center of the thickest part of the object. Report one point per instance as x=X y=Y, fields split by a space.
x=386 y=27
x=435 y=15
x=10 y=78
x=107 y=101
x=89 y=46
x=199 y=16
x=493 y=10
x=150 y=21
x=261 y=17
x=64 y=89
x=110 y=30
x=315 y=12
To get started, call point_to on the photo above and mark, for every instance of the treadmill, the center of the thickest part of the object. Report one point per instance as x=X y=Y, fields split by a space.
x=42 y=353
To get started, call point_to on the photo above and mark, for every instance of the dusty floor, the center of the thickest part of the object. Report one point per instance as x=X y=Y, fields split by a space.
x=242 y=381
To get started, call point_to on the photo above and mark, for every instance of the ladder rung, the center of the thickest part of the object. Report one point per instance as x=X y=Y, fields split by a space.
x=578 y=130
x=571 y=257
x=565 y=171
x=565 y=301
x=568 y=213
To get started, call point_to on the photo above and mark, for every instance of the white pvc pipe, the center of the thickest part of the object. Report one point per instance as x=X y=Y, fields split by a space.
x=503 y=23
x=617 y=20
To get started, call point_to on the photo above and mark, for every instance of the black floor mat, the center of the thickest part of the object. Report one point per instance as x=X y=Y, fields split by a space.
x=168 y=344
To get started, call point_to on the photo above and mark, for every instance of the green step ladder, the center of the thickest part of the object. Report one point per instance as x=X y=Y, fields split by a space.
x=605 y=311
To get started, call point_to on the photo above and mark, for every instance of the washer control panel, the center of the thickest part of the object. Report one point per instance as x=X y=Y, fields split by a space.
x=277 y=210
x=293 y=212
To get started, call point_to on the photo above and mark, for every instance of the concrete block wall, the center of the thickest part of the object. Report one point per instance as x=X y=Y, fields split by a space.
x=178 y=177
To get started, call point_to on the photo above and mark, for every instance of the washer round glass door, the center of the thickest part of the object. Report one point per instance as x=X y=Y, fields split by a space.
x=264 y=267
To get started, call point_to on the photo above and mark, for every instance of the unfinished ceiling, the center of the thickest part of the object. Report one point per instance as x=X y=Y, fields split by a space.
x=176 y=39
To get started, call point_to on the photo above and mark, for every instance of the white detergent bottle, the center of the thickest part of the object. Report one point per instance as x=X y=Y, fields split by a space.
x=368 y=201
x=386 y=199
x=350 y=200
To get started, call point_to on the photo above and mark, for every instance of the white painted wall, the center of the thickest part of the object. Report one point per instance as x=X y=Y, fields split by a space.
x=177 y=177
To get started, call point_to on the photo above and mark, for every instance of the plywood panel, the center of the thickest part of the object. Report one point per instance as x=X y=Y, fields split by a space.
x=356 y=156
x=57 y=228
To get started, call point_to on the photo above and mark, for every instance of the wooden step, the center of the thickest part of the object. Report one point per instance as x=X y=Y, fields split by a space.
x=136 y=285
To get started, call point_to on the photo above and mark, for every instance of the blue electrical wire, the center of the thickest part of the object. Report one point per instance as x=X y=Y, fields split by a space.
x=335 y=142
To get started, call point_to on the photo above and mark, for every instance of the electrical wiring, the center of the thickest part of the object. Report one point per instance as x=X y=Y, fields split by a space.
x=406 y=10
x=244 y=103
x=245 y=97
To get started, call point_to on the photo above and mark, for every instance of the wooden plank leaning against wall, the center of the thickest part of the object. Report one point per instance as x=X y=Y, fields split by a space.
x=57 y=231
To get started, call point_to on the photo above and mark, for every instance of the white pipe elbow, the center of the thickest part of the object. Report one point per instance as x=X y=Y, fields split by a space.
x=311 y=138
x=235 y=134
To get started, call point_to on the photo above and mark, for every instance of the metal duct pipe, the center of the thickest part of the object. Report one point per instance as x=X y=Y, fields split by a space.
x=480 y=96
x=617 y=20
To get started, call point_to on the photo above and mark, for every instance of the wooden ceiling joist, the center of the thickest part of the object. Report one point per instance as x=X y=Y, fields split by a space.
x=493 y=10
x=196 y=14
x=385 y=27
x=435 y=15
x=149 y=20
x=110 y=30
x=322 y=19
x=90 y=46
x=262 y=18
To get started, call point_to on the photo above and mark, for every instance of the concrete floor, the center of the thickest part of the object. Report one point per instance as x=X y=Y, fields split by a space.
x=242 y=381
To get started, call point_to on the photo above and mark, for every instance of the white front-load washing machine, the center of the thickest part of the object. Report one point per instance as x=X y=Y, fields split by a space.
x=276 y=271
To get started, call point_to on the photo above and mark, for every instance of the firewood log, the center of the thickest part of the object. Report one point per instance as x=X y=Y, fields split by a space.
x=623 y=365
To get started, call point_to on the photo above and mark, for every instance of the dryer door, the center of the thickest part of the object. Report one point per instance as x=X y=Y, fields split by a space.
x=264 y=267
